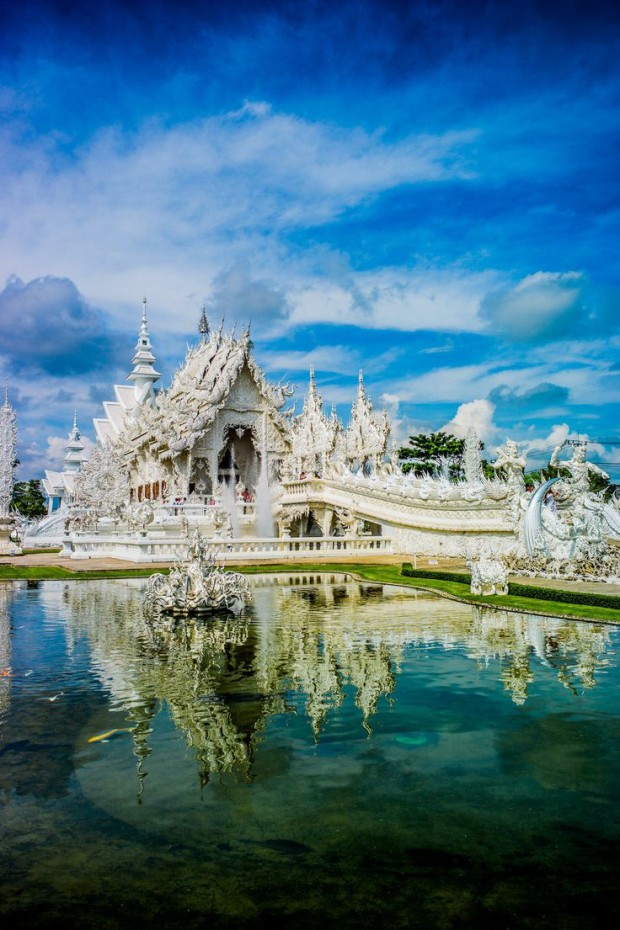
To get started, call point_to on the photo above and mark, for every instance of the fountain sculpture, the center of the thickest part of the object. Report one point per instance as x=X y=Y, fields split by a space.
x=196 y=585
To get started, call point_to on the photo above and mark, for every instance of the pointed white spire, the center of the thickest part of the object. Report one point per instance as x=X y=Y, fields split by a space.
x=203 y=324
x=8 y=452
x=144 y=374
x=75 y=449
x=366 y=437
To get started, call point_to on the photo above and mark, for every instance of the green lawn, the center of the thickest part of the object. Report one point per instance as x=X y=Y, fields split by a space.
x=384 y=574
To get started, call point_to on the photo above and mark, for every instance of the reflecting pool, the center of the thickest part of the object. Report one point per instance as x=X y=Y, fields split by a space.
x=342 y=755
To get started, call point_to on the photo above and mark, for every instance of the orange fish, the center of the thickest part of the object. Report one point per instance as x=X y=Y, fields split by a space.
x=108 y=734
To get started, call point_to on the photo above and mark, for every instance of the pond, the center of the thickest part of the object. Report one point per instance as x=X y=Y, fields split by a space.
x=342 y=754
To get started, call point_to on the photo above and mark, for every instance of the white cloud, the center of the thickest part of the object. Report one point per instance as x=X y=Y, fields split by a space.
x=559 y=433
x=476 y=413
x=394 y=298
x=167 y=209
x=544 y=305
x=336 y=358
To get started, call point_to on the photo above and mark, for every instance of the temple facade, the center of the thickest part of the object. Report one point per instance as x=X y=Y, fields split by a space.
x=220 y=421
x=217 y=450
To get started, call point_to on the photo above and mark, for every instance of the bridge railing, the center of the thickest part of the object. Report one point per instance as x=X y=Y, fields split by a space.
x=138 y=548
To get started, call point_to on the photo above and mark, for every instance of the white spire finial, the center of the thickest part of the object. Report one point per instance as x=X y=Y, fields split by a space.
x=203 y=324
x=143 y=374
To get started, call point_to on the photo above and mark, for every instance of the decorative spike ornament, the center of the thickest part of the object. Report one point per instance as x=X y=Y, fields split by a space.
x=8 y=451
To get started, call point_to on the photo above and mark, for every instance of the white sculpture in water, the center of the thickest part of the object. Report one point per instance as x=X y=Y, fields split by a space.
x=196 y=585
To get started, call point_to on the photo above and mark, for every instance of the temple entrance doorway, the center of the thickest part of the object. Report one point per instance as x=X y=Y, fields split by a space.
x=239 y=460
x=200 y=480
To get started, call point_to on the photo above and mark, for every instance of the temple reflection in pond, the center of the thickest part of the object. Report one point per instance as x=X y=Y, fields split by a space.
x=308 y=645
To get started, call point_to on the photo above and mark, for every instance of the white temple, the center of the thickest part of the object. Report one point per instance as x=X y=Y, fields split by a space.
x=59 y=486
x=218 y=451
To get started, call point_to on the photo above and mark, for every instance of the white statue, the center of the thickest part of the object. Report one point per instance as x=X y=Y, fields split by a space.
x=509 y=464
x=488 y=576
x=579 y=470
x=196 y=585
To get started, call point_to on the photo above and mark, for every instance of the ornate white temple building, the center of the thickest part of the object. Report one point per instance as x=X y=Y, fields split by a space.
x=59 y=486
x=219 y=451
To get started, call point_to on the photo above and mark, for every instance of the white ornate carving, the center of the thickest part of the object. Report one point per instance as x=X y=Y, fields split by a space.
x=510 y=464
x=196 y=585
x=472 y=461
x=103 y=484
x=8 y=449
x=313 y=435
x=488 y=576
x=365 y=441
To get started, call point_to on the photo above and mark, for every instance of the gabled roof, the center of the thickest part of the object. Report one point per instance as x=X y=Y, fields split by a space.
x=199 y=389
x=115 y=414
x=53 y=483
x=104 y=430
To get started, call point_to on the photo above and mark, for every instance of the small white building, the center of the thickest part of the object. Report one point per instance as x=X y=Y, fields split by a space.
x=59 y=486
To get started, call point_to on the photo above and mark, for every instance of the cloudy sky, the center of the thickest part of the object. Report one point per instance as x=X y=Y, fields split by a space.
x=426 y=190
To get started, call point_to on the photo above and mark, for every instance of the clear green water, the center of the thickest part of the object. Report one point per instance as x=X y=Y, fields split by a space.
x=343 y=756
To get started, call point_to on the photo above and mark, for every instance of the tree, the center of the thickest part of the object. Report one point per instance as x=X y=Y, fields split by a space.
x=28 y=499
x=427 y=451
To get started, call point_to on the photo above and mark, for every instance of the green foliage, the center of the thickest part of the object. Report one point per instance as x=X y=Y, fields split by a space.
x=410 y=572
x=28 y=499
x=609 y=601
x=598 y=483
x=487 y=469
x=567 y=597
x=426 y=451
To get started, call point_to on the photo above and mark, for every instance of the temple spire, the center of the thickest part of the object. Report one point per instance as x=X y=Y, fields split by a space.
x=203 y=324
x=75 y=457
x=144 y=374
x=8 y=447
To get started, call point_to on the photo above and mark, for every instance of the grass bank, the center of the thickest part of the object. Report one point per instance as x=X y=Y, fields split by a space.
x=382 y=574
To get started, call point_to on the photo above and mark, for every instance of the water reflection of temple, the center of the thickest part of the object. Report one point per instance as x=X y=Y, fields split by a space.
x=304 y=647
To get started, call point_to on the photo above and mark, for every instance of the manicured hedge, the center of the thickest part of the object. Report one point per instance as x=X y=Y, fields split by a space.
x=523 y=590
x=411 y=572
x=568 y=597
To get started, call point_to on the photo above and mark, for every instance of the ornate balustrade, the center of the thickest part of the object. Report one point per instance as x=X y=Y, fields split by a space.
x=196 y=509
x=401 y=506
x=148 y=548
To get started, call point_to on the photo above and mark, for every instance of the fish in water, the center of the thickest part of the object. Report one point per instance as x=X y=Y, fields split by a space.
x=56 y=696
x=104 y=737
x=288 y=847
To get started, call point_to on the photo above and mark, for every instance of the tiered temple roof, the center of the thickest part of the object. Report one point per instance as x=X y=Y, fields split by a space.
x=61 y=484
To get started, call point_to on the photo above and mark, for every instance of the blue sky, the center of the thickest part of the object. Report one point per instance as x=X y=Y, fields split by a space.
x=429 y=191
